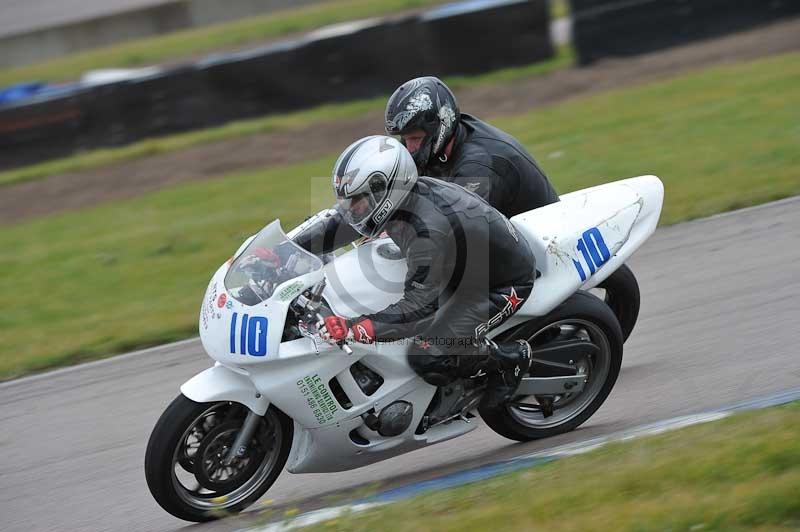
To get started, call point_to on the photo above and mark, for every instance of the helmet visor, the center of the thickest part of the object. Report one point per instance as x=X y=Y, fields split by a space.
x=361 y=206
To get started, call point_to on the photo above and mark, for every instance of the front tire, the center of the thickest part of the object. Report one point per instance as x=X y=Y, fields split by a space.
x=182 y=464
x=582 y=316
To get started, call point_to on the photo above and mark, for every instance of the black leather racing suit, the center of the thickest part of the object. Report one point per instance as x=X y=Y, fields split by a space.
x=468 y=271
x=494 y=165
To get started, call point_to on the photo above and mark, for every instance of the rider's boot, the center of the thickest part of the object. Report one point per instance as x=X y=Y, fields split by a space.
x=507 y=364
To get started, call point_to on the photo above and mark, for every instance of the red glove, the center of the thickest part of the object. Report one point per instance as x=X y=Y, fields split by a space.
x=336 y=329
x=268 y=255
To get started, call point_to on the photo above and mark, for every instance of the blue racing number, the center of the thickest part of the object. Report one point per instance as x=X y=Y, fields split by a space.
x=594 y=251
x=252 y=335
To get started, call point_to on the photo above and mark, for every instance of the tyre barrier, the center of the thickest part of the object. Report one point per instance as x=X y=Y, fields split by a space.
x=338 y=63
x=615 y=28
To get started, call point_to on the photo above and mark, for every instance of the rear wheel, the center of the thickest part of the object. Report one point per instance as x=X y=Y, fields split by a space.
x=620 y=290
x=185 y=462
x=582 y=317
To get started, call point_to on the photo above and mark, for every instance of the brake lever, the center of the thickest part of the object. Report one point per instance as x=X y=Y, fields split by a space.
x=312 y=315
x=308 y=334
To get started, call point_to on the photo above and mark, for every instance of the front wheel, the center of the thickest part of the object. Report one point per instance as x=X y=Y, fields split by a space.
x=585 y=318
x=185 y=462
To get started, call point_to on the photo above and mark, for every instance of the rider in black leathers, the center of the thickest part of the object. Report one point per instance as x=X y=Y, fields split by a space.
x=468 y=269
x=459 y=148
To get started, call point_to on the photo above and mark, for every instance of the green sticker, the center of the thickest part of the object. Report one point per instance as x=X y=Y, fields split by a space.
x=318 y=398
x=290 y=291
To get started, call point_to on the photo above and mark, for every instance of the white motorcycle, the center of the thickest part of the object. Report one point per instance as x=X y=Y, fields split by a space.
x=279 y=396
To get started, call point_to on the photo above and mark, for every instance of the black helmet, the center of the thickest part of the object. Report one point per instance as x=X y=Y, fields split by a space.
x=424 y=103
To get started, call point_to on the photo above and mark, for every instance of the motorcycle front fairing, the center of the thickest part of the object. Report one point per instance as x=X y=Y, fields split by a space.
x=243 y=314
x=244 y=310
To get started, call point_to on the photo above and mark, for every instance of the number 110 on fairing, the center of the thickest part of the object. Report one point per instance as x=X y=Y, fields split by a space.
x=594 y=251
x=252 y=337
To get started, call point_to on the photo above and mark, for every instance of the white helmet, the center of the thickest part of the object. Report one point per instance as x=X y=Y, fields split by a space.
x=371 y=179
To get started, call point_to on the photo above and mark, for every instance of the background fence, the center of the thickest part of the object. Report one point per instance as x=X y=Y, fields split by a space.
x=355 y=60
x=613 y=28
x=345 y=62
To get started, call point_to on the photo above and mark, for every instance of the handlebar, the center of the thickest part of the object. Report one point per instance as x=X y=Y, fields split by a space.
x=309 y=309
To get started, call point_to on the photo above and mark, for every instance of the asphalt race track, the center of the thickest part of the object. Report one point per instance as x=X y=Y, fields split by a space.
x=720 y=315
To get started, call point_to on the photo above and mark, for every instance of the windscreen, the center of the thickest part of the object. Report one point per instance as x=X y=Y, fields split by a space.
x=269 y=260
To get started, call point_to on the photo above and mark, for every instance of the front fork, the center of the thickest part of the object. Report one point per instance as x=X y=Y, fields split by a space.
x=239 y=447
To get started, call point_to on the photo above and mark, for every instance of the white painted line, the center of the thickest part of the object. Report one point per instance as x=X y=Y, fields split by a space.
x=317 y=516
x=571 y=449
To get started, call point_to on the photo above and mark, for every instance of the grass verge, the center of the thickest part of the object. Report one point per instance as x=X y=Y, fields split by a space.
x=739 y=473
x=90 y=283
x=276 y=123
x=180 y=45
x=161 y=145
x=559 y=9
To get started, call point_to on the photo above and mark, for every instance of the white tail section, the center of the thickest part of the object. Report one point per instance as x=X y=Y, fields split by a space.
x=580 y=240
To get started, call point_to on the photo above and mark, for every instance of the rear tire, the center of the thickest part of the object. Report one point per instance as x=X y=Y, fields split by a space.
x=583 y=315
x=190 y=433
x=622 y=296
